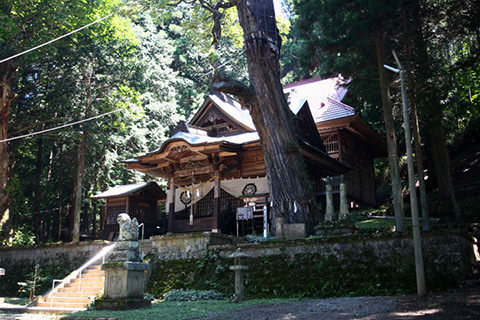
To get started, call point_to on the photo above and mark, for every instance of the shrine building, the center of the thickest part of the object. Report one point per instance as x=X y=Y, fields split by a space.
x=214 y=162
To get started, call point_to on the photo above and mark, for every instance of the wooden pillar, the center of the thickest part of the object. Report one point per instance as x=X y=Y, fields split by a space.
x=216 y=202
x=127 y=206
x=170 y=204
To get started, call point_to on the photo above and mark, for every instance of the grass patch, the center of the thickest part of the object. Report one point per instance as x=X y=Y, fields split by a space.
x=14 y=300
x=375 y=223
x=173 y=310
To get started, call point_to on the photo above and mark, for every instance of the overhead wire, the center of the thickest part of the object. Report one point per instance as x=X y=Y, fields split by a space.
x=58 y=38
x=98 y=116
x=223 y=64
x=59 y=127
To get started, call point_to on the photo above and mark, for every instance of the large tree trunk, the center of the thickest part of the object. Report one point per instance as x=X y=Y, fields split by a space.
x=391 y=136
x=437 y=148
x=432 y=114
x=77 y=189
x=289 y=185
x=37 y=220
x=415 y=123
x=82 y=151
x=7 y=71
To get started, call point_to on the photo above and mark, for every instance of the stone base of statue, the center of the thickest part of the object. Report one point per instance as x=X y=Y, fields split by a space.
x=121 y=303
x=124 y=271
x=124 y=280
x=124 y=285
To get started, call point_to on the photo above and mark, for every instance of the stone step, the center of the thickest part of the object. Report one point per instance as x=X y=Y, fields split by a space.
x=48 y=310
x=72 y=294
x=93 y=272
x=92 y=276
x=77 y=299
x=62 y=304
x=86 y=280
x=93 y=290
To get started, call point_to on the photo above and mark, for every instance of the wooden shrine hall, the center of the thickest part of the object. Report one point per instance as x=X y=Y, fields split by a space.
x=214 y=163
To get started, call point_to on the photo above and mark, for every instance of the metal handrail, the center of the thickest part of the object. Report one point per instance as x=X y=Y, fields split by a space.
x=101 y=254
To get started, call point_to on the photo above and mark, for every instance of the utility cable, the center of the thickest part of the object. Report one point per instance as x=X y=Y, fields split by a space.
x=58 y=38
x=223 y=64
x=59 y=127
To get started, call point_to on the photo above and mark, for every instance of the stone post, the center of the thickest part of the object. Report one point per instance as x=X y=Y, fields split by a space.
x=329 y=200
x=343 y=199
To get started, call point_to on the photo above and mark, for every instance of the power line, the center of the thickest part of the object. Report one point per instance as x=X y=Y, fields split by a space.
x=59 y=127
x=223 y=64
x=58 y=38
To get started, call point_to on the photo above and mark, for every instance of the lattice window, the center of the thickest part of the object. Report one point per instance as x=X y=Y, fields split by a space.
x=330 y=141
x=202 y=208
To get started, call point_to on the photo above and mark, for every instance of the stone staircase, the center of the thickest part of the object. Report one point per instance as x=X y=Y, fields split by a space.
x=74 y=293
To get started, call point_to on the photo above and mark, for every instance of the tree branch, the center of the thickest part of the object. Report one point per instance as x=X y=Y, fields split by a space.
x=245 y=95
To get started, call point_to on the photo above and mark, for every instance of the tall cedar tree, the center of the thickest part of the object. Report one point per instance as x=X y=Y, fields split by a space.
x=348 y=37
x=290 y=189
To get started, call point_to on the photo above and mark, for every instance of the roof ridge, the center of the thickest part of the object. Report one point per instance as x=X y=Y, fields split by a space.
x=304 y=81
x=341 y=104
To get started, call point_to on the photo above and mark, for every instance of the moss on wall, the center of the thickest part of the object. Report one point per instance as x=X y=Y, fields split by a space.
x=350 y=273
x=208 y=273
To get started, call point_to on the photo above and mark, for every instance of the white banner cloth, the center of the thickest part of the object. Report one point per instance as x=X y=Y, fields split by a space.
x=232 y=186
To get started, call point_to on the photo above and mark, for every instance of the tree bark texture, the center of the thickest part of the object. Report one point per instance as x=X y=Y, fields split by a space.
x=415 y=123
x=38 y=223
x=391 y=136
x=82 y=150
x=289 y=185
x=432 y=113
x=7 y=71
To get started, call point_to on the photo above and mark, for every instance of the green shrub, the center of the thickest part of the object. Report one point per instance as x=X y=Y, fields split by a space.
x=192 y=295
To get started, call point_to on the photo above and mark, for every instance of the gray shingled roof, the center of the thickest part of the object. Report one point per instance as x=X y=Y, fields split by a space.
x=122 y=190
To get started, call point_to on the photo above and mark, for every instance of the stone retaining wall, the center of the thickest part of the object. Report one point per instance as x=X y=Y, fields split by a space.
x=450 y=252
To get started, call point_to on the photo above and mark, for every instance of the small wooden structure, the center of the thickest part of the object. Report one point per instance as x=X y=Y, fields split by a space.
x=140 y=201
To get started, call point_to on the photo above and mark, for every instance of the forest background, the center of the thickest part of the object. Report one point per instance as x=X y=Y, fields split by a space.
x=153 y=63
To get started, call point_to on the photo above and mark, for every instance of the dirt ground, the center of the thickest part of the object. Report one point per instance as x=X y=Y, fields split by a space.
x=462 y=304
x=456 y=305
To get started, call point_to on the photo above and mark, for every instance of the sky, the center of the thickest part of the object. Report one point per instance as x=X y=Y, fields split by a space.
x=278 y=8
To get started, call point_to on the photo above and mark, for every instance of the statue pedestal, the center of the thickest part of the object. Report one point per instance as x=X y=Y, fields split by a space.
x=124 y=279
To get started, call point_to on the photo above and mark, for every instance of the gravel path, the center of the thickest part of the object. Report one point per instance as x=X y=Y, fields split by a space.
x=463 y=304
x=26 y=316
x=456 y=305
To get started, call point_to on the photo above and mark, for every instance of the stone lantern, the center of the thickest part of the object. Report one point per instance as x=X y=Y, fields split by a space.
x=240 y=268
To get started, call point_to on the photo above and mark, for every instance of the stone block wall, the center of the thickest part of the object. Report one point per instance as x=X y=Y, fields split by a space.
x=303 y=267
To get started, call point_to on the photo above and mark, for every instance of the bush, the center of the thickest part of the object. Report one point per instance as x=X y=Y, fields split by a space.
x=192 y=295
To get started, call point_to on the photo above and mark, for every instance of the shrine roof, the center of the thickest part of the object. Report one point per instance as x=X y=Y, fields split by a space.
x=195 y=138
x=128 y=189
x=333 y=109
x=233 y=108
